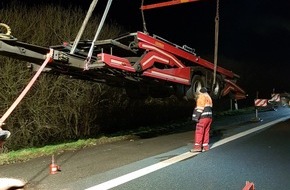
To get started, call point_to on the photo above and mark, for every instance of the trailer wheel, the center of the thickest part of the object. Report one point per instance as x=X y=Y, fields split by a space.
x=197 y=83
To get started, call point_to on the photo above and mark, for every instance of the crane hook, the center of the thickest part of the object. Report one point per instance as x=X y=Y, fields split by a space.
x=7 y=32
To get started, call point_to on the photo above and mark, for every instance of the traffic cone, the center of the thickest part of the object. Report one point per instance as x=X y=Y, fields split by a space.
x=249 y=186
x=53 y=168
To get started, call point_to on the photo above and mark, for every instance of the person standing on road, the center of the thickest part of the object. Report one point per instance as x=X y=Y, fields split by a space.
x=202 y=115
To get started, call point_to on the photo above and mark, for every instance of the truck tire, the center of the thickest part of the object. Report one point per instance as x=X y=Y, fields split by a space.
x=197 y=83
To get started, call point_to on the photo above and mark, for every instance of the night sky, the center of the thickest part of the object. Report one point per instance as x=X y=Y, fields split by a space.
x=254 y=35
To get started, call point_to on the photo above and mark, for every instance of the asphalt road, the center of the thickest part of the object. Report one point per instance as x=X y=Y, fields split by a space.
x=261 y=157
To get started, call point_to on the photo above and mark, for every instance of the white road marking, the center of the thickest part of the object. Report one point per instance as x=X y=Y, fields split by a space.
x=239 y=135
x=144 y=171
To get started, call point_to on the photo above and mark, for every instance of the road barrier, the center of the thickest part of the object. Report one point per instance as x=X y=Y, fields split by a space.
x=261 y=102
x=275 y=98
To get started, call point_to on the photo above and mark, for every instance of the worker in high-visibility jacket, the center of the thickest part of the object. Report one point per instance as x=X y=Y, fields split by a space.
x=202 y=115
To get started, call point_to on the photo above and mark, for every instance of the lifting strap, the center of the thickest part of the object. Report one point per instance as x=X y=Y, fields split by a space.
x=143 y=19
x=80 y=33
x=21 y=96
x=89 y=57
x=216 y=43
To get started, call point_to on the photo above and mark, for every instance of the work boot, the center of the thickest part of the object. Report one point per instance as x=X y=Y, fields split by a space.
x=196 y=148
x=205 y=148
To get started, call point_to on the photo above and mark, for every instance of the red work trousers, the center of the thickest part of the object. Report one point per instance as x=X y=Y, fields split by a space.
x=202 y=132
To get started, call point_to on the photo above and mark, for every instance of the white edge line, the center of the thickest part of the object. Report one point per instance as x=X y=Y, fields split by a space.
x=223 y=141
x=144 y=171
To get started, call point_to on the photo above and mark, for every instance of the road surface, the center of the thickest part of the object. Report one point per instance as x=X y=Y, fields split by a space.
x=241 y=150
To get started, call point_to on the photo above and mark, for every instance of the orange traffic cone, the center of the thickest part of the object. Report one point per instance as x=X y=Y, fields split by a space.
x=249 y=186
x=53 y=168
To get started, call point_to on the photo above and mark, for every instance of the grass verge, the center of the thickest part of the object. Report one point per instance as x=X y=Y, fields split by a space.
x=30 y=153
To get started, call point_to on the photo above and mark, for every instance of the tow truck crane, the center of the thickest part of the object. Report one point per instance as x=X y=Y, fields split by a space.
x=143 y=64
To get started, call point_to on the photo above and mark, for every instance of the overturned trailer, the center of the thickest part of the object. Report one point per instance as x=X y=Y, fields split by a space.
x=142 y=64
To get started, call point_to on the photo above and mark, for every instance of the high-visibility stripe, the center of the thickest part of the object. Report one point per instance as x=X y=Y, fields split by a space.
x=206 y=113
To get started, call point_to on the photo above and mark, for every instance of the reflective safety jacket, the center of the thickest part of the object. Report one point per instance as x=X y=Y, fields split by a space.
x=203 y=107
